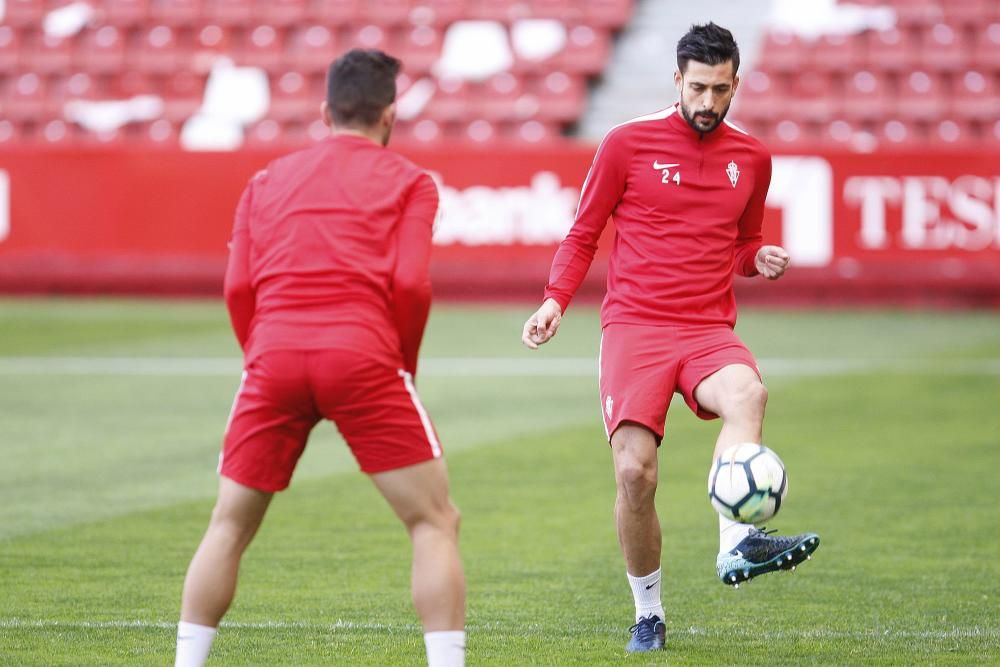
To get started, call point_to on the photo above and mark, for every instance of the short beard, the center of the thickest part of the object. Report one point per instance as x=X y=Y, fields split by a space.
x=690 y=119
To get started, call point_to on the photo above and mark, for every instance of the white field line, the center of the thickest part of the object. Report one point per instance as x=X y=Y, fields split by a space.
x=973 y=632
x=489 y=366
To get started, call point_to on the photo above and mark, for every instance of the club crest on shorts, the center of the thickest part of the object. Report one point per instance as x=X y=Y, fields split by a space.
x=608 y=405
x=733 y=172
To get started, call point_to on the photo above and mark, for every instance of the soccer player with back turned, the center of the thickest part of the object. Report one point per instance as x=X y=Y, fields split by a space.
x=686 y=192
x=328 y=292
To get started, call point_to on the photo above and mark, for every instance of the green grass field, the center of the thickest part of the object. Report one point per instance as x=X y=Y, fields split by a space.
x=111 y=413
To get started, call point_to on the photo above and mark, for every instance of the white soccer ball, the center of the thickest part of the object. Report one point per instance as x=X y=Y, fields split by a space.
x=747 y=483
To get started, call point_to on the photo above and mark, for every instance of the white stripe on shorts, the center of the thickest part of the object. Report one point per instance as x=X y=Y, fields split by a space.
x=424 y=419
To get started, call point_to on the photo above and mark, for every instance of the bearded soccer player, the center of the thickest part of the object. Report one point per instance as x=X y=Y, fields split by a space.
x=686 y=192
x=328 y=292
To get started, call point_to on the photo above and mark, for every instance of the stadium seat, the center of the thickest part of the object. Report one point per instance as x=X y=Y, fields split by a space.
x=608 y=14
x=898 y=134
x=267 y=133
x=10 y=49
x=868 y=96
x=230 y=12
x=438 y=13
x=502 y=11
x=386 y=13
x=47 y=54
x=986 y=47
x=175 y=13
x=758 y=98
x=312 y=49
x=482 y=133
x=922 y=97
x=561 y=96
x=814 y=97
x=789 y=135
x=102 y=51
x=783 y=51
x=450 y=101
x=211 y=42
x=158 y=51
x=262 y=46
x=284 y=13
x=73 y=86
x=368 y=36
x=419 y=47
x=25 y=97
x=943 y=50
x=836 y=52
x=160 y=133
x=292 y=98
x=953 y=134
x=23 y=13
x=182 y=94
x=8 y=132
x=57 y=132
x=839 y=134
x=587 y=51
x=976 y=97
x=892 y=50
x=335 y=12
x=531 y=133
x=971 y=13
x=566 y=11
x=422 y=132
x=124 y=13
x=917 y=12
x=496 y=102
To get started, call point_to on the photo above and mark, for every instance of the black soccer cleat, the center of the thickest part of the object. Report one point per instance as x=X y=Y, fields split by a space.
x=648 y=634
x=760 y=553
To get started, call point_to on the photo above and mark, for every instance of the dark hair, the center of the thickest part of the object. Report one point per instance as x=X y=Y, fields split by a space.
x=360 y=85
x=709 y=44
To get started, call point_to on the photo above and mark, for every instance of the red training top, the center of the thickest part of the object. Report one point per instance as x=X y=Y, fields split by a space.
x=331 y=249
x=687 y=210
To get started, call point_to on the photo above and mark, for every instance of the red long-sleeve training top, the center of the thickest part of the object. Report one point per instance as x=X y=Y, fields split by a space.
x=687 y=210
x=331 y=249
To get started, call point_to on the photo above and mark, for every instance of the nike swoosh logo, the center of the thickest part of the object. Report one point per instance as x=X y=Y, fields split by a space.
x=657 y=165
x=652 y=584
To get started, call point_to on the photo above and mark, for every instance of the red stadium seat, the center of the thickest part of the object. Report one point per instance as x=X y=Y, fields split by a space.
x=386 y=13
x=284 y=13
x=292 y=98
x=8 y=133
x=10 y=49
x=312 y=49
x=57 y=132
x=837 y=52
x=124 y=13
x=74 y=86
x=160 y=133
x=450 y=101
x=838 y=134
x=868 y=96
x=504 y=11
x=953 y=134
x=759 y=98
x=182 y=94
x=898 y=134
x=336 y=12
x=917 y=12
x=23 y=13
x=789 y=135
x=986 y=48
x=532 y=133
x=586 y=52
x=263 y=47
x=922 y=97
x=814 y=97
x=131 y=83
x=158 y=51
x=561 y=96
x=437 y=12
x=422 y=132
x=783 y=52
x=567 y=11
x=369 y=36
x=25 y=98
x=608 y=14
x=47 y=54
x=175 y=13
x=230 y=12
x=419 y=48
x=976 y=97
x=892 y=50
x=499 y=97
x=943 y=50
x=970 y=13
x=211 y=42
x=102 y=51
x=482 y=133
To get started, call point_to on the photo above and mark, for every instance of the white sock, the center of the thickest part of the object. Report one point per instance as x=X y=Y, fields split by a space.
x=193 y=644
x=731 y=533
x=445 y=649
x=646 y=592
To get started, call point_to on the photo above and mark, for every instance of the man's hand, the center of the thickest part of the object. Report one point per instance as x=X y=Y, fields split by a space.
x=771 y=261
x=543 y=325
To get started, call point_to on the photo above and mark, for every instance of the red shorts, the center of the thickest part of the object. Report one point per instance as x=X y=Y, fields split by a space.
x=642 y=366
x=285 y=393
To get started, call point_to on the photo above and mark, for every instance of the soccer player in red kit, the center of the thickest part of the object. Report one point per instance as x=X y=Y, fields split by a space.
x=328 y=292
x=686 y=192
